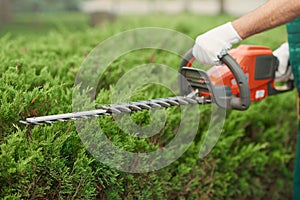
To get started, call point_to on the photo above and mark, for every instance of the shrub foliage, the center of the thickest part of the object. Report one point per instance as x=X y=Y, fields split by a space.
x=253 y=158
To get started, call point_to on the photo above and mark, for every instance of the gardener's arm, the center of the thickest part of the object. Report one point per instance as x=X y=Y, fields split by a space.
x=269 y=15
x=273 y=13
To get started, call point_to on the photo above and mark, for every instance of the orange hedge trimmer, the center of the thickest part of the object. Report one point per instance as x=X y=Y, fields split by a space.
x=247 y=74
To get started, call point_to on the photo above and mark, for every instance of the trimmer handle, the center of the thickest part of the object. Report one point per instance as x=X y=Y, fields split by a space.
x=237 y=103
x=242 y=102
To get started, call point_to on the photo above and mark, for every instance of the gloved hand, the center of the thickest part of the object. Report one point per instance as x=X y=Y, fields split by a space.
x=284 y=71
x=209 y=45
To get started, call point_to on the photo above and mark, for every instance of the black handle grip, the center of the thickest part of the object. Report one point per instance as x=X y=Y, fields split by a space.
x=242 y=102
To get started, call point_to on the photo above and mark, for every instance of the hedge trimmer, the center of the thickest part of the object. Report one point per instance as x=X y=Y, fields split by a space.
x=246 y=75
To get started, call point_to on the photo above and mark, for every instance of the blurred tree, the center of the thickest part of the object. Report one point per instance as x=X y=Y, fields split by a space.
x=71 y=5
x=222 y=6
x=186 y=5
x=45 y=5
x=5 y=11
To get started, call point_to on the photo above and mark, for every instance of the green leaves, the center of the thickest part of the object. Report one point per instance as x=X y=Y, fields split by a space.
x=252 y=159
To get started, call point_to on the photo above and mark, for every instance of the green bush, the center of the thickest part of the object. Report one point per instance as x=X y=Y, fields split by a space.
x=253 y=158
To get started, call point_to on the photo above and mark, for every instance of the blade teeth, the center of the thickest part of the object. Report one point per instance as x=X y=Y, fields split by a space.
x=182 y=101
x=114 y=110
x=154 y=105
x=190 y=100
x=141 y=105
x=110 y=108
x=24 y=122
x=123 y=108
x=172 y=102
x=134 y=107
x=162 y=103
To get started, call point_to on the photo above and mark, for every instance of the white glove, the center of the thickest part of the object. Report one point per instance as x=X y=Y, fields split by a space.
x=209 y=45
x=284 y=71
